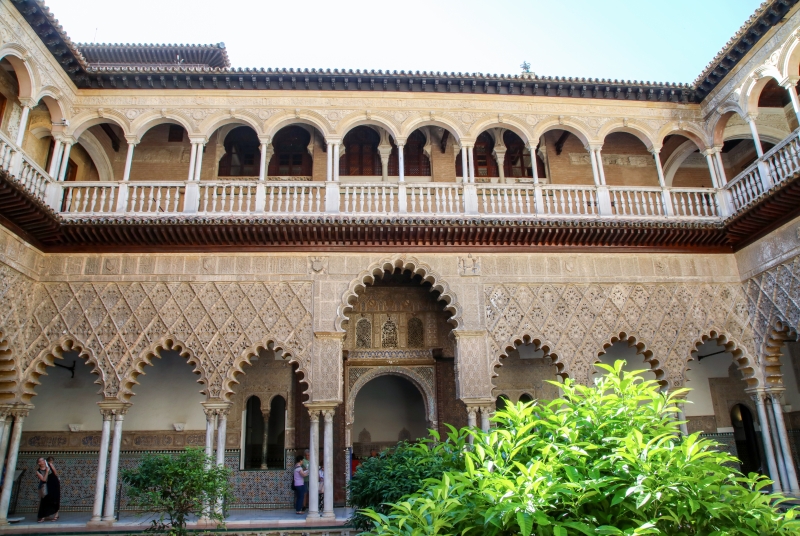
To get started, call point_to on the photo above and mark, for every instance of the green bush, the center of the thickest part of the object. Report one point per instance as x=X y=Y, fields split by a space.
x=400 y=471
x=599 y=461
x=178 y=486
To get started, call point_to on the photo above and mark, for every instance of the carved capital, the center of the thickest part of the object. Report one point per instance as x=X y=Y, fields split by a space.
x=313 y=414
x=328 y=414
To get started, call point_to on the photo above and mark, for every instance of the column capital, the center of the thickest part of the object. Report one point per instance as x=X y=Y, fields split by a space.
x=65 y=139
x=327 y=414
x=655 y=150
x=790 y=81
x=708 y=151
x=26 y=102
x=751 y=117
x=112 y=408
x=593 y=146
x=265 y=139
x=202 y=140
x=313 y=414
x=20 y=411
x=216 y=408
x=333 y=141
x=132 y=139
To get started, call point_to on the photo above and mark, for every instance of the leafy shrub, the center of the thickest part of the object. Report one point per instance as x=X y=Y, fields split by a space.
x=176 y=487
x=600 y=460
x=401 y=471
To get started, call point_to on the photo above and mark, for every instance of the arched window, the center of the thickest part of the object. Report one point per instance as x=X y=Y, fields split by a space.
x=417 y=163
x=364 y=334
x=290 y=153
x=525 y=398
x=389 y=334
x=276 y=434
x=485 y=164
x=501 y=402
x=517 y=162
x=416 y=333
x=361 y=156
x=242 y=154
x=254 y=434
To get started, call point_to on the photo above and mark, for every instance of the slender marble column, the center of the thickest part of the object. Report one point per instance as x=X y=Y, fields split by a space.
x=723 y=179
x=11 y=466
x=751 y=122
x=55 y=159
x=265 y=416
x=534 y=167
x=711 y=168
x=786 y=447
x=23 y=125
x=192 y=159
x=329 y=167
x=198 y=161
x=767 y=439
x=472 y=419
x=600 y=167
x=471 y=158
x=336 y=162
x=486 y=413
x=126 y=175
x=659 y=169
x=327 y=497
x=401 y=163
x=595 y=172
x=262 y=169
x=102 y=462
x=776 y=443
x=792 y=89
x=211 y=417
x=222 y=430
x=62 y=170
x=313 y=465
x=113 y=466
x=4 y=431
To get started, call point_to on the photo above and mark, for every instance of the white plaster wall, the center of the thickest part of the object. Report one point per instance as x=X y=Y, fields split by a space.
x=61 y=400
x=168 y=393
x=386 y=405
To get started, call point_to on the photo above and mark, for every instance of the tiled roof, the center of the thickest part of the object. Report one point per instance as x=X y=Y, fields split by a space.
x=99 y=55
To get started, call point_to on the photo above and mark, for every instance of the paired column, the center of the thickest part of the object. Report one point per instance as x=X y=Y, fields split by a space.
x=313 y=465
x=772 y=465
x=791 y=86
x=603 y=196
x=19 y=414
x=262 y=169
x=471 y=158
x=61 y=171
x=721 y=178
x=711 y=161
x=486 y=413
x=102 y=462
x=327 y=510
x=329 y=167
x=464 y=165
x=751 y=122
x=786 y=447
x=336 y=162
x=113 y=466
x=55 y=158
x=534 y=167
x=401 y=161
x=264 y=439
x=23 y=123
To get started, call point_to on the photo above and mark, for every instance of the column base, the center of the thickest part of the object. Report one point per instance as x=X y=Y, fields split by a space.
x=109 y=520
x=313 y=515
x=328 y=515
x=99 y=523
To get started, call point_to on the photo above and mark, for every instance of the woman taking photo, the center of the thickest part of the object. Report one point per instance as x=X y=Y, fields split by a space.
x=49 y=488
x=299 y=485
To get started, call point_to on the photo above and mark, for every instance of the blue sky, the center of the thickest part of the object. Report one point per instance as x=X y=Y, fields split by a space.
x=626 y=39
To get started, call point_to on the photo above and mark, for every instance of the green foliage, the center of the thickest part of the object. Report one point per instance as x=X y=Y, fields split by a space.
x=401 y=471
x=603 y=460
x=178 y=486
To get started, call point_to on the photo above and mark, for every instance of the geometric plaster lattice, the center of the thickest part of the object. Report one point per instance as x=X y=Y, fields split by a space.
x=575 y=322
x=218 y=325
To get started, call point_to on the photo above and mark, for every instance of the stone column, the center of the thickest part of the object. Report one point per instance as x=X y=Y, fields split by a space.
x=385 y=151
x=534 y=167
x=4 y=431
x=659 y=169
x=23 y=124
x=55 y=159
x=126 y=175
x=327 y=510
x=222 y=430
x=401 y=162
x=464 y=166
x=681 y=416
x=772 y=466
x=600 y=167
x=708 y=153
x=776 y=443
x=211 y=421
x=262 y=168
x=264 y=439
x=336 y=162
x=62 y=169
x=102 y=462
x=471 y=158
x=751 y=122
x=472 y=416
x=329 y=166
x=19 y=415
x=198 y=164
x=595 y=170
x=192 y=160
x=486 y=413
x=791 y=87
x=313 y=465
x=720 y=167
x=786 y=446
x=113 y=466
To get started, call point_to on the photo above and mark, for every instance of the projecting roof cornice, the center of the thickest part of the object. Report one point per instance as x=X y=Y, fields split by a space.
x=120 y=66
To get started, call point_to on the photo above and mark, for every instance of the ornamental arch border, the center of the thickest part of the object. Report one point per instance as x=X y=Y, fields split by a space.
x=147 y=121
x=275 y=123
x=427 y=392
x=523 y=339
x=506 y=123
x=577 y=129
x=633 y=341
x=51 y=98
x=29 y=379
x=719 y=121
x=420 y=121
x=416 y=267
x=87 y=120
x=269 y=344
x=17 y=55
x=214 y=122
x=145 y=358
x=349 y=122
x=738 y=351
x=631 y=127
x=754 y=86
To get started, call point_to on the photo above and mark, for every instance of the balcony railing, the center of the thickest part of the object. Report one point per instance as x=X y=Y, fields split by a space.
x=253 y=197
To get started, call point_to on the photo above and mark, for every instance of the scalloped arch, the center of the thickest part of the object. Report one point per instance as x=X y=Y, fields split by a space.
x=269 y=344
x=46 y=358
x=145 y=358
x=526 y=337
x=641 y=349
x=411 y=264
x=745 y=362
